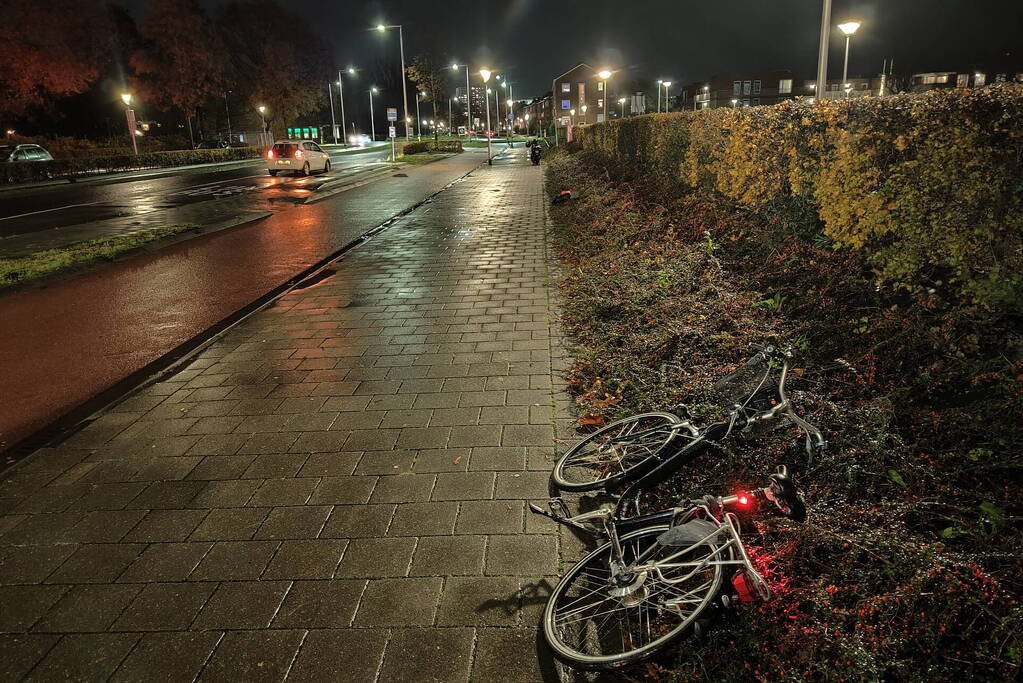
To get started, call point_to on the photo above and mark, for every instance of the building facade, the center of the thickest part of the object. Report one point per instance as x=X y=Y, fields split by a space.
x=478 y=103
x=578 y=96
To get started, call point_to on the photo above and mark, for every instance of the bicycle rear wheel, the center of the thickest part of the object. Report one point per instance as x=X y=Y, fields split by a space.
x=598 y=619
x=617 y=453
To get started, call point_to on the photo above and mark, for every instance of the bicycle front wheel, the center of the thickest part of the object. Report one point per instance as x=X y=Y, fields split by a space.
x=599 y=618
x=619 y=452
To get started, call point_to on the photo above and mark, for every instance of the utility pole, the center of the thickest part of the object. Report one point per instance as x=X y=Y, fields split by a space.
x=822 y=55
x=333 y=123
x=227 y=110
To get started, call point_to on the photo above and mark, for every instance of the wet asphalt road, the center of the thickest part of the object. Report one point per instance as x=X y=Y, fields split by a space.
x=66 y=342
x=61 y=206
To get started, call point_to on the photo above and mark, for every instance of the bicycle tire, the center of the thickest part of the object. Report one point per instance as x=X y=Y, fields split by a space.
x=594 y=563
x=609 y=478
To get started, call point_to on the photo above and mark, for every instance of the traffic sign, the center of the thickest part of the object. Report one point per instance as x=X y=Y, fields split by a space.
x=392 y=114
x=392 y=132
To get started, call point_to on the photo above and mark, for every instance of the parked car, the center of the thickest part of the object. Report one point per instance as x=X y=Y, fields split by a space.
x=26 y=152
x=213 y=144
x=300 y=156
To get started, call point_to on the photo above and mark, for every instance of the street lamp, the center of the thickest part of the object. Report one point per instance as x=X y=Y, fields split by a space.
x=404 y=93
x=341 y=99
x=734 y=102
x=659 y=84
x=419 y=126
x=667 y=102
x=262 y=117
x=485 y=75
x=604 y=75
x=372 y=123
x=621 y=101
x=468 y=97
x=129 y=115
x=848 y=28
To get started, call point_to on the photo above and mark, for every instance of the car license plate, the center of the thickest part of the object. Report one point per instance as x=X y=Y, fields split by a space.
x=286 y=162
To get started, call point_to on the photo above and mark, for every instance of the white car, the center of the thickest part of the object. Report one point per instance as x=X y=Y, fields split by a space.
x=301 y=156
x=358 y=140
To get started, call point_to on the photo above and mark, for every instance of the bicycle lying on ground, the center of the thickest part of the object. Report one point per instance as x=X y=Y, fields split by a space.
x=657 y=578
x=647 y=448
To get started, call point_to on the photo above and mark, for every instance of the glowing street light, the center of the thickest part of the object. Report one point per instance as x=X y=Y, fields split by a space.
x=129 y=115
x=404 y=92
x=485 y=75
x=372 y=123
x=621 y=101
x=734 y=102
x=468 y=97
x=341 y=99
x=848 y=28
x=667 y=102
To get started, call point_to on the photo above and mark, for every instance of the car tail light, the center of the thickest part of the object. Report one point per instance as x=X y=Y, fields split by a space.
x=269 y=154
x=298 y=154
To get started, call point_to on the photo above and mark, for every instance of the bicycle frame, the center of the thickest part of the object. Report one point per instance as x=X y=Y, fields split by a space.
x=726 y=539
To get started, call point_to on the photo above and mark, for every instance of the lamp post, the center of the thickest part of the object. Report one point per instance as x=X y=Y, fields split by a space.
x=659 y=84
x=604 y=75
x=341 y=99
x=848 y=28
x=734 y=102
x=621 y=101
x=419 y=121
x=372 y=123
x=468 y=97
x=485 y=75
x=227 y=110
x=404 y=92
x=333 y=123
x=129 y=115
x=667 y=102
x=822 y=55
x=262 y=117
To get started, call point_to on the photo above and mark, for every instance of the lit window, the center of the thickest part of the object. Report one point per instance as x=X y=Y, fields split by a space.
x=566 y=104
x=746 y=87
x=979 y=80
x=756 y=87
x=963 y=81
x=600 y=86
x=600 y=103
x=736 y=87
x=785 y=86
x=566 y=87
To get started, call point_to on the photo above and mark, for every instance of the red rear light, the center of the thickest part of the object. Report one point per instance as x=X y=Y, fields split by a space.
x=298 y=154
x=269 y=154
x=743 y=499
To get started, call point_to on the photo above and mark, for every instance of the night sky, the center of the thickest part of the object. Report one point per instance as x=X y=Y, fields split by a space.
x=682 y=40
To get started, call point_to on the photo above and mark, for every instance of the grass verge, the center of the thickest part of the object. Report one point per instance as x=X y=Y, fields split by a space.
x=22 y=270
x=420 y=159
x=908 y=568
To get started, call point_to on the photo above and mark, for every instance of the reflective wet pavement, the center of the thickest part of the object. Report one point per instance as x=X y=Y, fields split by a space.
x=60 y=207
x=334 y=490
x=65 y=343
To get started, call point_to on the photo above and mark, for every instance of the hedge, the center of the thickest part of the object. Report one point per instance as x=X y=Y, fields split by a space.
x=929 y=188
x=431 y=146
x=26 y=171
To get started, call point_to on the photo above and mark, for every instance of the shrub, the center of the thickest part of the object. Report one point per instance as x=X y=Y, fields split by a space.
x=424 y=146
x=19 y=172
x=926 y=188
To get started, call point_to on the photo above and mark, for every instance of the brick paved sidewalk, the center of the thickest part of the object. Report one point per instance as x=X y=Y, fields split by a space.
x=334 y=490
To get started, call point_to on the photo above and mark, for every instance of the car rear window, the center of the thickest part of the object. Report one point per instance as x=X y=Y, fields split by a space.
x=283 y=150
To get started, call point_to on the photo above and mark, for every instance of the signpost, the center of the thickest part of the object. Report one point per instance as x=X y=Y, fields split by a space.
x=392 y=116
